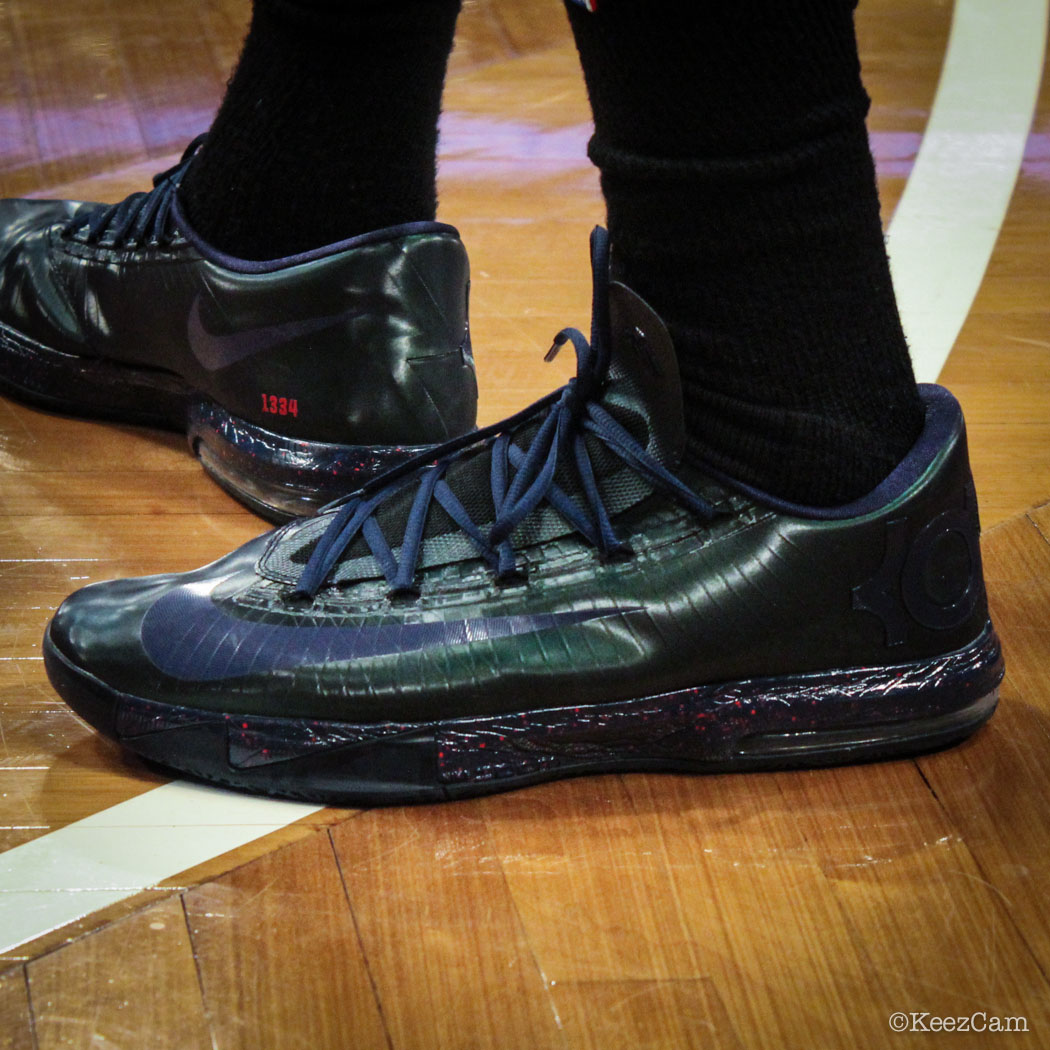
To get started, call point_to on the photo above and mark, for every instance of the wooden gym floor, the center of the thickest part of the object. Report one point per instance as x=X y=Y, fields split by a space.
x=779 y=910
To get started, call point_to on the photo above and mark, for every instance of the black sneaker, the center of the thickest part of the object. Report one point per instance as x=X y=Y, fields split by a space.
x=556 y=595
x=295 y=379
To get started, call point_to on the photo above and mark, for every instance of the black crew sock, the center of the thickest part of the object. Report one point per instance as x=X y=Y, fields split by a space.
x=328 y=128
x=743 y=206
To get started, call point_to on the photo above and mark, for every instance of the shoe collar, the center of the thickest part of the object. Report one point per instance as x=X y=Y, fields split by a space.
x=253 y=266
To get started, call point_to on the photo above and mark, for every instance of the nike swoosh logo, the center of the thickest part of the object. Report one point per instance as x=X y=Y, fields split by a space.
x=220 y=351
x=188 y=637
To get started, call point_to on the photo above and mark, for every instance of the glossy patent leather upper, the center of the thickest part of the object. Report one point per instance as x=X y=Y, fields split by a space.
x=754 y=591
x=370 y=339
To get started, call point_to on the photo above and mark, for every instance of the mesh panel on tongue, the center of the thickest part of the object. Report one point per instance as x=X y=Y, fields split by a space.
x=469 y=480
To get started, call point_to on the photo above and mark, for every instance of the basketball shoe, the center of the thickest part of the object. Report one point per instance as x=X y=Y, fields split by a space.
x=555 y=595
x=295 y=379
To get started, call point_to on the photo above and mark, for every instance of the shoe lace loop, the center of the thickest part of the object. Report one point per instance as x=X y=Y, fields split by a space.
x=520 y=479
x=142 y=216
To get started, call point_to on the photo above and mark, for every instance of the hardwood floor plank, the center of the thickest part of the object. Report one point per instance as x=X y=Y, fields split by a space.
x=901 y=43
x=530 y=27
x=931 y=932
x=164 y=538
x=1040 y=517
x=131 y=984
x=588 y=874
x=1011 y=467
x=16 y=1029
x=75 y=82
x=444 y=945
x=143 y=493
x=989 y=786
x=480 y=38
x=761 y=914
x=16 y=121
x=644 y=1015
x=251 y=851
x=89 y=777
x=279 y=958
x=223 y=25
x=53 y=768
x=35 y=440
x=174 y=85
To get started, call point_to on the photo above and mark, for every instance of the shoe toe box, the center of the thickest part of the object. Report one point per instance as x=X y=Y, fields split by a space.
x=23 y=222
x=97 y=632
x=30 y=298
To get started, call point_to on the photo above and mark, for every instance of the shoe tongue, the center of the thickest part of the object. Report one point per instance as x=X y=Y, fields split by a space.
x=643 y=389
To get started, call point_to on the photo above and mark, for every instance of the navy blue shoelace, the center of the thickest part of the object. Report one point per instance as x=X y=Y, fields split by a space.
x=520 y=481
x=142 y=217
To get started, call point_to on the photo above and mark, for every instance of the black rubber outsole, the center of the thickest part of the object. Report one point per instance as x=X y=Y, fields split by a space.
x=277 y=477
x=826 y=718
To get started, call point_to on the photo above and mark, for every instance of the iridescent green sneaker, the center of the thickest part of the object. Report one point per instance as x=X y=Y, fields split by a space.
x=556 y=595
x=295 y=379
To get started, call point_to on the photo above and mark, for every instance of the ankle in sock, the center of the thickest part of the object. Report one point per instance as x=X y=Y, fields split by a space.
x=743 y=205
x=328 y=128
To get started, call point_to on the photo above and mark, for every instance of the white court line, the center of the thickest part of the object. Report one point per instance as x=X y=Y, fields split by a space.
x=940 y=241
x=947 y=222
x=118 y=852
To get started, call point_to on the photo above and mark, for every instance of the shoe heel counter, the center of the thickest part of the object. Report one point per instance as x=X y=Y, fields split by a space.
x=441 y=365
x=379 y=353
x=932 y=560
x=943 y=581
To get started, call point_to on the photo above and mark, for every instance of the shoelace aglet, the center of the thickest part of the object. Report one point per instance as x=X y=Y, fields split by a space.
x=559 y=341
